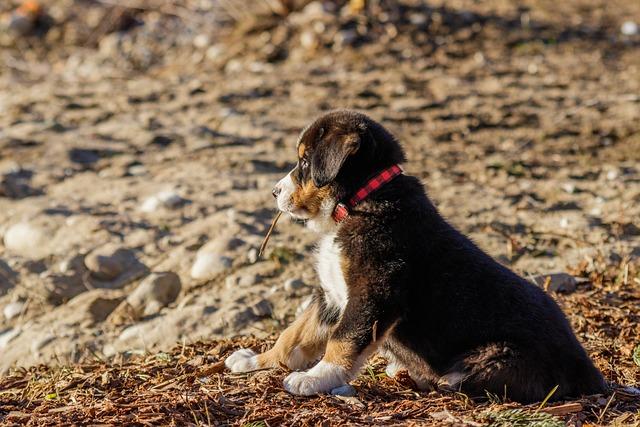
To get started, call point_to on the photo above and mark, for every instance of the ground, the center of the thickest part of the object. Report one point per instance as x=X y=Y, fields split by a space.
x=126 y=155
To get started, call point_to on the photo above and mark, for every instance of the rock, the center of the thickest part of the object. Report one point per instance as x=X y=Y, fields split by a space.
x=162 y=140
x=84 y=156
x=629 y=28
x=13 y=309
x=155 y=292
x=244 y=280
x=71 y=265
x=16 y=184
x=25 y=239
x=262 y=308
x=252 y=255
x=109 y=261
x=59 y=288
x=167 y=199
x=292 y=285
x=346 y=390
x=558 y=282
x=208 y=265
x=7 y=336
x=210 y=260
x=95 y=305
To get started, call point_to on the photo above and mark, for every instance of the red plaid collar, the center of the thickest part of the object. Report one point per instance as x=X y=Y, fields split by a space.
x=341 y=211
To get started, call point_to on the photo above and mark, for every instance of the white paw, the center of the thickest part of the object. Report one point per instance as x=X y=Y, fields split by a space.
x=392 y=369
x=302 y=384
x=244 y=360
x=322 y=378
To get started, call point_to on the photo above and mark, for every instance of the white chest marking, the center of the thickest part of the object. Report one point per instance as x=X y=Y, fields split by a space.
x=330 y=272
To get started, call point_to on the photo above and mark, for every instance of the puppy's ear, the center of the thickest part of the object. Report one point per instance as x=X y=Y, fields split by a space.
x=329 y=157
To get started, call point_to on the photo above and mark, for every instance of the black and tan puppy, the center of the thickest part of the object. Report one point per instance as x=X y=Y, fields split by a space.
x=397 y=278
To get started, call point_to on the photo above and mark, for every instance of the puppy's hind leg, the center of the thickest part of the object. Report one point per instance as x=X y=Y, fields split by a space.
x=301 y=344
x=503 y=371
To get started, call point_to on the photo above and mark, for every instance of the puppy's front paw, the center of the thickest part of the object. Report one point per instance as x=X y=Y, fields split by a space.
x=244 y=360
x=303 y=384
x=322 y=378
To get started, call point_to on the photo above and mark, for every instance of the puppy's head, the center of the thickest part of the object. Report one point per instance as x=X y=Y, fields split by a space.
x=337 y=153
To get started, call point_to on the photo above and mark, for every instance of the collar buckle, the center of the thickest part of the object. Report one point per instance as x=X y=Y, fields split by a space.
x=340 y=212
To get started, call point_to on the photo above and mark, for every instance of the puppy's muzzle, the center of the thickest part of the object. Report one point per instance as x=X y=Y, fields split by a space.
x=276 y=191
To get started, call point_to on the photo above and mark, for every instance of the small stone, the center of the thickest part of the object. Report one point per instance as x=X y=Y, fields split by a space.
x=629 y=28
x=249 y=280
x=25 y=239
x=168 y=199
x=558 y=282
x=137 y=170
x=155 y=292
x=252 y=255
x=214 y=52
x=97 y=304
x=346 y=390
x=83 y=156
x=16 y=184
x=13 y=309
x=161 y=140
x=292 y=285
x=201 y=41
x=7 y=336
x=262 y=308
x=109 y=261
x=209 y=260
x=208 y=265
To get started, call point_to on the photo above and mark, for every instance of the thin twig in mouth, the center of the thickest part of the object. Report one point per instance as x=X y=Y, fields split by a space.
x=266 y=238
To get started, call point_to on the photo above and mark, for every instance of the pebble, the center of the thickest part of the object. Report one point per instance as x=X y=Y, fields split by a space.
x=8 y=335
x=629 y=28
x=209 y=260
x=109 y=261
x=208 y=265
x=16 y=184
x=96 y=305
x=25 y=239
x=262 y=308
x=346 y=390
x=559 y=282
x=13 y=309
x=292 y=285
x=155 y=292
x=168 y=199
x=252 y=255
x=201 y=41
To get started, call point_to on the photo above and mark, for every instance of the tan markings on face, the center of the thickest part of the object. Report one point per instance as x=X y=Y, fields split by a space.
x=340 y=353
x=309 y=197
x=301 y=149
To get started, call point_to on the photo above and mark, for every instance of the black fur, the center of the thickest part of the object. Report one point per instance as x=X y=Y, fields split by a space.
x=447 y=305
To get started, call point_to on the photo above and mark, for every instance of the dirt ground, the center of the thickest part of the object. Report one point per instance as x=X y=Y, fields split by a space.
x=129 y=155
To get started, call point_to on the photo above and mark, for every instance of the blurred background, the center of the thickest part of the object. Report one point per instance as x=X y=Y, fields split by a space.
x=139 y=142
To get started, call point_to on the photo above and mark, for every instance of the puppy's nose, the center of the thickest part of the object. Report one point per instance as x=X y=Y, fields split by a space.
x=275 y=191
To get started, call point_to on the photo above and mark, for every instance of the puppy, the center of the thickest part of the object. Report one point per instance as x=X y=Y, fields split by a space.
x=397 y=278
